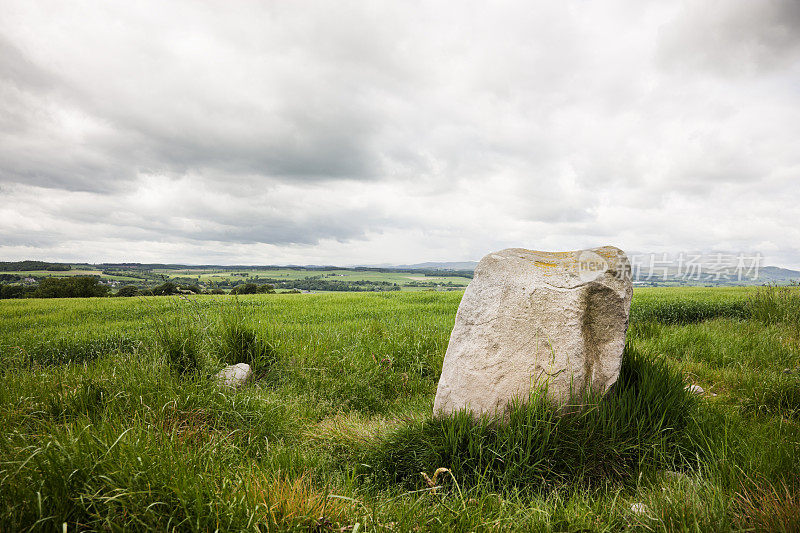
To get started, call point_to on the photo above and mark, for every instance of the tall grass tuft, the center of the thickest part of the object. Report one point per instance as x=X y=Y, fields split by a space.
x=638 y=425
x=181 y=348
x=239 y=342
x=675 y=311
x=72 y=348
x=108 y=477
x=180 y=339
x=771 y=304
x=87 y=398
x=773 y=395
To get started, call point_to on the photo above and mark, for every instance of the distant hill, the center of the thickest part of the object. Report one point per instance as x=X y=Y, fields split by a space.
x=432 y=265
x=778 y=274
x=767 y=274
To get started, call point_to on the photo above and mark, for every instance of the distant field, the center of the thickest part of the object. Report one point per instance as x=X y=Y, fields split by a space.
x=111 y=419
x=61 y=274
x=209 y=278
x=400 y=278
x=334 y=280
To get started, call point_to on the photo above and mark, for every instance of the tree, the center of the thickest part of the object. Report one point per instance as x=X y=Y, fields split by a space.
x=72 y=287
x=245 y=288
x=15 y=291
x=266 y=288
x=193 y=288
x=252 y=288
x=165 y=289
x=128 y=290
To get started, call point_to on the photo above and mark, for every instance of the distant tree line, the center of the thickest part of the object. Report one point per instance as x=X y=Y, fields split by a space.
x=440 y=273
x=88 y=286
x=8 y=266
x=91 y=286
x=253 y=288
x=431 y=284
x=317 y=283
x=71 y=287
x=167 y=288
x=127 y=273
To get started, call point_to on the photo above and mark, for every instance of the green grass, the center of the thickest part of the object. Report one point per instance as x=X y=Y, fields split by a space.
x=112 y=421
x=599 y=442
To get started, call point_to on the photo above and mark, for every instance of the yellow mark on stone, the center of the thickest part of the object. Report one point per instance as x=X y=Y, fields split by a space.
x=554 y=262
x=551 y=254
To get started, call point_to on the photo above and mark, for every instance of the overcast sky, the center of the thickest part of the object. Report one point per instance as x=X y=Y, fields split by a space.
x=376 y=132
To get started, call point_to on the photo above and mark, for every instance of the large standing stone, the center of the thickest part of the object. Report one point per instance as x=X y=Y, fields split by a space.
x=533 y=318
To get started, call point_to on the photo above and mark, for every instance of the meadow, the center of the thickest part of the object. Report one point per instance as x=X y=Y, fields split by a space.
x=112 y=419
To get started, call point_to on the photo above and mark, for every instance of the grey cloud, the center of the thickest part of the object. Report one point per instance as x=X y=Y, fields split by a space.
x=317 y=125
x=29 y=239
x=733 y=37
x=34 y=146
x=17 y=70
x=190 y=217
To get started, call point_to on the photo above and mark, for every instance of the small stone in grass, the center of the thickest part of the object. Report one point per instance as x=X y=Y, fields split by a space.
x=639 y=508
x=695 y=389
x=234 y=376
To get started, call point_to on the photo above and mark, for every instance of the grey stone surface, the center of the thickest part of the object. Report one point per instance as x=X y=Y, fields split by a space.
x=234 y=376
x=533 y=318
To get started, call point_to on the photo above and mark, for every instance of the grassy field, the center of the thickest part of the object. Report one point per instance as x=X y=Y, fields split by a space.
x=112 y=421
